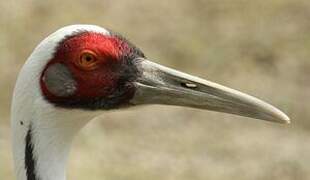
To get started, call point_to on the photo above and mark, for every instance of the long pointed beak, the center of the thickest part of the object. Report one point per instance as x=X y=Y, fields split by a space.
x=158 y=84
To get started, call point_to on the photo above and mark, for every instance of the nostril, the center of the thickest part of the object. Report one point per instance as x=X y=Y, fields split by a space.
x=188 y=85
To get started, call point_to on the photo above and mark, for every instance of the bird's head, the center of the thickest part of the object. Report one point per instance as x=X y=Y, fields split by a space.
x=90 y=68
x=82 y=70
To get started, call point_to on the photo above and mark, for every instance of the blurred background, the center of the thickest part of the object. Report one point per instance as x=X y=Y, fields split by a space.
x=258 y=47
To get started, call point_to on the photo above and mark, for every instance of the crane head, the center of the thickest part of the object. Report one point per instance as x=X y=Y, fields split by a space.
x=93 y=70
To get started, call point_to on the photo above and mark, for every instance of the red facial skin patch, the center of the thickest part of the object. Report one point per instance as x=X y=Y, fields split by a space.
x=99 y=82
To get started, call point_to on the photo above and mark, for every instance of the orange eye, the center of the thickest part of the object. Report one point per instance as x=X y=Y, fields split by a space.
x=87 y=60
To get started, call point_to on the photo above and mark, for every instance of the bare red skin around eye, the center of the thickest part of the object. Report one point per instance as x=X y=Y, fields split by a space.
x=102 y=80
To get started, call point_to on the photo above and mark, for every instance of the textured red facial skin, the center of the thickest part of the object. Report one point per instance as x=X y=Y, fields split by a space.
x=98 y=82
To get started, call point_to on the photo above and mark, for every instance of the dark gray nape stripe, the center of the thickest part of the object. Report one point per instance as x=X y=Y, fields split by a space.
x=29 y=159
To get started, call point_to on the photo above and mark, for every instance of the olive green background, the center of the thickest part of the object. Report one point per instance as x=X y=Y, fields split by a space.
x=258 y=47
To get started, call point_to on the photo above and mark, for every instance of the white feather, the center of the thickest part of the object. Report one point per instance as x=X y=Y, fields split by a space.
x=52 y=128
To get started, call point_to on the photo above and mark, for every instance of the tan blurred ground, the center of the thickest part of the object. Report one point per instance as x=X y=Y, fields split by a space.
x=259 y=47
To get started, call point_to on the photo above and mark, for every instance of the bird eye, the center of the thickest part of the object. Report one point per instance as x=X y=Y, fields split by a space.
x=87 y=60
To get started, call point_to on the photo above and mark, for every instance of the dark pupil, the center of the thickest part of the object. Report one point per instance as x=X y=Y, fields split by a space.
x=88 y=58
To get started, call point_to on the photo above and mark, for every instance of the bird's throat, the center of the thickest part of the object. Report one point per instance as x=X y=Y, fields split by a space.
x=46 y=153
x=41 y=145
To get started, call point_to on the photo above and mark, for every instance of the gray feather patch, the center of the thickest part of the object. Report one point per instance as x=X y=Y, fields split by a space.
x=59 y=81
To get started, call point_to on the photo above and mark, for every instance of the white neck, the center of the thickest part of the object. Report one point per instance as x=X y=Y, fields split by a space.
x=39 y=129
x=51 y=145
x=51 y=134
x=51 y=130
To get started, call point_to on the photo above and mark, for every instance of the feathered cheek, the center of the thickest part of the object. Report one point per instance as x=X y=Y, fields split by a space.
x=58 y=81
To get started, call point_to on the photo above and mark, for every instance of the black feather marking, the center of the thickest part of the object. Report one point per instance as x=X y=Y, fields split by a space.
x=29 y=158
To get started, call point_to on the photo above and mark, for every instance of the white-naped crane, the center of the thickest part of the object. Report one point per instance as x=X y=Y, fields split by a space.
x=81 y=71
